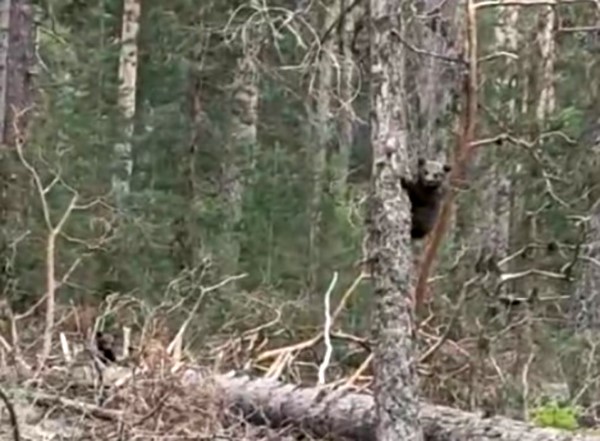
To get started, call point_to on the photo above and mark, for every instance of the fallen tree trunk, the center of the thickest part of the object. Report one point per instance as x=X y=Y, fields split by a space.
x=347 y=415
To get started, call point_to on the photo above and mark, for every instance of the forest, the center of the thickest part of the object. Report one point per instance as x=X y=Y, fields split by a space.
x=215 y=221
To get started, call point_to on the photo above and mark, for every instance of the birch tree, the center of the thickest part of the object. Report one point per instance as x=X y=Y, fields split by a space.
x=388 y=225
x=547 y=98
x=128 y=63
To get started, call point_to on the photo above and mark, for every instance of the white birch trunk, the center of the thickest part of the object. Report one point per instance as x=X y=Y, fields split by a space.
x=128 y=61
x=547 y=99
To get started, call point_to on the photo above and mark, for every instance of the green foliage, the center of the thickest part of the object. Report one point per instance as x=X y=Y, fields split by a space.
x=570 y=120
x=557 y=415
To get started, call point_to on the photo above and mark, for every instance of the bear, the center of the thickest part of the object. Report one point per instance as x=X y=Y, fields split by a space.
x=426 y=192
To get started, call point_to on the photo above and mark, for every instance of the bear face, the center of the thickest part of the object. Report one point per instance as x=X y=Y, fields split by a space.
x=432 y=174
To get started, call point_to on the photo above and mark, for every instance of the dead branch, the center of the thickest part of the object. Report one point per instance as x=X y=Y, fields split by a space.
x=12 y=415
x=53 y=233
x=278 y=352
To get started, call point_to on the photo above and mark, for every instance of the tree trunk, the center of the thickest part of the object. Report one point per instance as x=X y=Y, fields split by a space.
x=347 y=415
x=128 y=62
x=186 y=245
x=17 y=39
x=341 y=163
x=20 y=65
x=321 y=128
x=585 y=314
x=244 y=102
x=547 y=99
x=437 y=81
x=4 y=44
x=586 y=301
x=388 y=227
x=493 y=230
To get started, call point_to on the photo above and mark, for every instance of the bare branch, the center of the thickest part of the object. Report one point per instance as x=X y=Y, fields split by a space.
x=327 y=330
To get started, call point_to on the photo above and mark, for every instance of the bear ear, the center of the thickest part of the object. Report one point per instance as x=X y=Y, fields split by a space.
x=420 y=161
x=447 y=168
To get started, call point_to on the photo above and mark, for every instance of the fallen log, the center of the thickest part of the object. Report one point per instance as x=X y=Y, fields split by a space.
x=348 y=415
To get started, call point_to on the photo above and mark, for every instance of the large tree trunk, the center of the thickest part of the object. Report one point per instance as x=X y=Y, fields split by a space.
x=347 y=415
x=388 y=227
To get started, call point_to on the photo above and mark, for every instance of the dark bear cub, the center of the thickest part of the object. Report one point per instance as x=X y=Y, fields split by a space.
x=425 y=192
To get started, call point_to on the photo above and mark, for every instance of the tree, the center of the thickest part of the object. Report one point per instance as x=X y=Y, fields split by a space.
x=434 y=77
x=16 y=98
x=320 y=118
x=388 y=227
x=128 y=66
x=241 y=144
x=493 y=220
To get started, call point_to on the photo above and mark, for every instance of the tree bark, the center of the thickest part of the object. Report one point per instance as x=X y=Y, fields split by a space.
x=437 y=83
x=241 y=144
x=321 y=130
x=4 y=44
x=17 y=36
x=347 y=415
x=494 y=208
x=388 y=227
x=128 y=65
x=341 y=161
x=547 y=100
